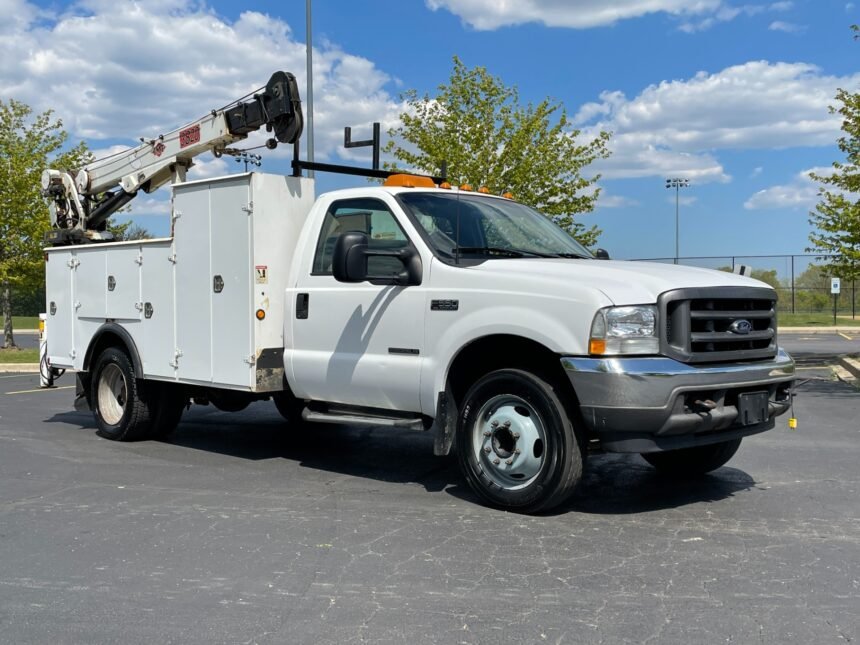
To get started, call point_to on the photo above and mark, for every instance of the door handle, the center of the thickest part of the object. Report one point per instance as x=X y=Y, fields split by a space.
x=302 y=306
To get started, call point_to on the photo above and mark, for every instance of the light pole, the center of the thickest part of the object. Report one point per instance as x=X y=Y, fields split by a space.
x=309 y=95
x=677 y=183
x=248 y=159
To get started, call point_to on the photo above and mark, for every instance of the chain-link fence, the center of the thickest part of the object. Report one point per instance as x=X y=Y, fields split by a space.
x=801 y=281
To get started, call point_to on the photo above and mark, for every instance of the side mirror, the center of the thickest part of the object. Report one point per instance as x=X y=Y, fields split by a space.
x=349 y=261
x=601 y=254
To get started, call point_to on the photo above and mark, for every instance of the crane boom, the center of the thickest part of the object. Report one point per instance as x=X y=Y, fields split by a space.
x=81 y=201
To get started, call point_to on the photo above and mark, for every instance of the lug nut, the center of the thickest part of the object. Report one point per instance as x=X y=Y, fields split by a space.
x=516 y=435
x=516 y=451
x=508 y=423
x=487 y=449
x=495 y=423
x=496 y=461
x=487 y=433
x=509 y=462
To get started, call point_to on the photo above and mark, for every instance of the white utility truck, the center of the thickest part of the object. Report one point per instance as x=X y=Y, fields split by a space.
x=409 y=304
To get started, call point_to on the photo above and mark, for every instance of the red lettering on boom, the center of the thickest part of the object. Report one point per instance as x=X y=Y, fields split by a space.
x=189 y=136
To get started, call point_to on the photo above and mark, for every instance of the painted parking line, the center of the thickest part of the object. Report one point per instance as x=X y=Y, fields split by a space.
x=42 y=389
x=18 y=375
x=845 y=336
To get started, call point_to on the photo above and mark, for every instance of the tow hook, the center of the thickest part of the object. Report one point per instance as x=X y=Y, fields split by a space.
x=703 y=406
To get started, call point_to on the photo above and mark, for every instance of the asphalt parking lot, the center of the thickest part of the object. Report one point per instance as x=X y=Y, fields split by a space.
x=238 y=530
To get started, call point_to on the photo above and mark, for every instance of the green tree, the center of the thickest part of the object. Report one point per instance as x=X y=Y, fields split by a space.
x=28 y=144
x=768 y=276
x=128 y=231
x=836 y=218
x=812 y=289
x=477 y=125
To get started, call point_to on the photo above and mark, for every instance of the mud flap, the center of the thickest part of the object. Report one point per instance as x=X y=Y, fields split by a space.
x=445 y=423
x=82 y=392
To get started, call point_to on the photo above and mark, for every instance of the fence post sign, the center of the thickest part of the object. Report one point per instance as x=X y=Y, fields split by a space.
x=835 y=287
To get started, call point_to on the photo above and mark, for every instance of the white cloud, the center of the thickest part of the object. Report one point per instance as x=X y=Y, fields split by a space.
x=697 y=15
x=606 y=200
x=787 y=27
x=800 y=193
x=204 y=168
x=492 y=14
x=756 y=171
x=683 y=200
x=674 y=127
x=123 y=69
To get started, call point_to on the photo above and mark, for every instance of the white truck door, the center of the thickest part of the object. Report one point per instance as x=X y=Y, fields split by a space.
x=357 y=344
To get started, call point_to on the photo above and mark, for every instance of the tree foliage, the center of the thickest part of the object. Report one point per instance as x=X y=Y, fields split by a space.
x=836 y=217
x=768 y=276
x=477 y=125
x=28 y=144
x=127 y=231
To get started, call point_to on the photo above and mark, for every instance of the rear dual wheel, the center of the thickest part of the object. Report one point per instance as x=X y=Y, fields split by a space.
x=122 y=405
x=516 y=443
x=129 y=409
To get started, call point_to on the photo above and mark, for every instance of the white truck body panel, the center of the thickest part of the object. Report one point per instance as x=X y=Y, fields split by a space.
x=241 y=228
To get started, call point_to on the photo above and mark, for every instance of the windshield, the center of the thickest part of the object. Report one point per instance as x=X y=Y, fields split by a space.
x=488 y=227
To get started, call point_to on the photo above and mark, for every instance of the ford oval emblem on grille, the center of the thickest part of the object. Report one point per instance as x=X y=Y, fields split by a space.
x=741 y=327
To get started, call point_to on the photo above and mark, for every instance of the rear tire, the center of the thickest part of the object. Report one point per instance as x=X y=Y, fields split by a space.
x=693 y=461
x=121 y=403
x=516 y=443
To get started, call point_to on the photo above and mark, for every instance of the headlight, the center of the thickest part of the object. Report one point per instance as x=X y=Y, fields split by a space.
x=624 y=330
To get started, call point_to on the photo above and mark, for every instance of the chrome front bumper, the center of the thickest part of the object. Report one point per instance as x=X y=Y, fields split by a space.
x=645 y=404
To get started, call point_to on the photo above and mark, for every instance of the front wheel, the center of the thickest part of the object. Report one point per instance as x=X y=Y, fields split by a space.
x=693 y=461
x=516 y=443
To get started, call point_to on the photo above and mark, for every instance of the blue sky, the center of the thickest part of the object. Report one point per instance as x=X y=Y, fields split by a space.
x=732 y=95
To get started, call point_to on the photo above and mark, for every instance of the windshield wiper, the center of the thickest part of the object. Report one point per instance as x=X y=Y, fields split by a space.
x=510 y=253
x=572 y=255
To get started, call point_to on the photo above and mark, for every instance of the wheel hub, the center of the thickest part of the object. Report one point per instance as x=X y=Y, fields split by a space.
x=508 y=441
x=503 y=442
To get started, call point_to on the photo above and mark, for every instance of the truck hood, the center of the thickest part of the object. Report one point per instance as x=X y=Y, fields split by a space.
x=623 y=282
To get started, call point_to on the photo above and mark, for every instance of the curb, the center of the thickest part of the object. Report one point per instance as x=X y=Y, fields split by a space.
x=23 y=368
x=818 y=330
x=852 y=365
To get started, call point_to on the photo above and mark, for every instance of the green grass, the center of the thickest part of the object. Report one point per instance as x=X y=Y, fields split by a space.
x=820 y=319
x=25 y=322
x=30 y=355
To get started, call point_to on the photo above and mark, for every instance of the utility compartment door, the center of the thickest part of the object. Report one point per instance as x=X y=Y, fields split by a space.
x=123 y=283
x=232 y=305
x=60 y=307
x=193 y=283
x=214 y=307
x=90 y=286
x=157 y=331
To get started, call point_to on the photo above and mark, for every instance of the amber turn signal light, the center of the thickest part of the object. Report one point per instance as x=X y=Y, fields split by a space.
x=597 y=346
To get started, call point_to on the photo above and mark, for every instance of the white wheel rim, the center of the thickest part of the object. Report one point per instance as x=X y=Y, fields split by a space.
x=509 y=441
x=112 y=394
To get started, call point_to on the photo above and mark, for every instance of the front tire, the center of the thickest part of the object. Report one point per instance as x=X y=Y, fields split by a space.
x=516 y=443
x=121 y=403
x=698 y=460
